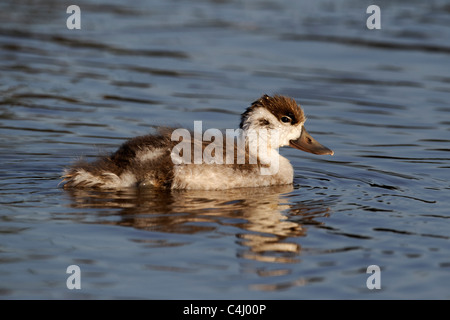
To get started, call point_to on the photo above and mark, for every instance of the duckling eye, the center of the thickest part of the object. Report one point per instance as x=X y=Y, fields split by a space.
x=285 y=119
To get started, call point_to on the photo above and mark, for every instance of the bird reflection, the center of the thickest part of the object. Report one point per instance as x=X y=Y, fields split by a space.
x=265 y=220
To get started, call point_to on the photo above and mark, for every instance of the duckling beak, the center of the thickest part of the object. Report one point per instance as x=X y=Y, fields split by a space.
x=309 y=144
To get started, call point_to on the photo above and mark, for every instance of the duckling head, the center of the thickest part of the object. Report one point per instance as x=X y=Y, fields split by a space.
x=282 y=118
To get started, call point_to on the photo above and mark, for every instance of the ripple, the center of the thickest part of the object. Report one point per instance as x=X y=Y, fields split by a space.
x=359 y=42
x=71 y=42
x=130 y=99
x=409 y=233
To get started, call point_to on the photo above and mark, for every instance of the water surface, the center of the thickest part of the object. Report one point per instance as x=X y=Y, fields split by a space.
x=378 y=98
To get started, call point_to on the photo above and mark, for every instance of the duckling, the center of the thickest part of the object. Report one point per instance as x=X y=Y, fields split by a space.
x=155 y=160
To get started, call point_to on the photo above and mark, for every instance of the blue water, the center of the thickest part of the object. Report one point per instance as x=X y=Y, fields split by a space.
x=378 y=98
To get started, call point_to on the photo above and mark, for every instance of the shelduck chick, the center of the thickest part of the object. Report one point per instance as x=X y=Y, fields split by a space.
x=162 y=161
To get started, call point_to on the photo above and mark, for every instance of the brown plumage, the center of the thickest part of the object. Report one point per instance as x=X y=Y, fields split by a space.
x=279 y=106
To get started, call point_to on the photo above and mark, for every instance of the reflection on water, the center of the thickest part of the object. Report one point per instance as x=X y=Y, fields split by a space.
x=264 y=217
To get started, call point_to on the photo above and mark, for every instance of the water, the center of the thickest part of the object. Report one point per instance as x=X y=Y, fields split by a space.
x=378 y=98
